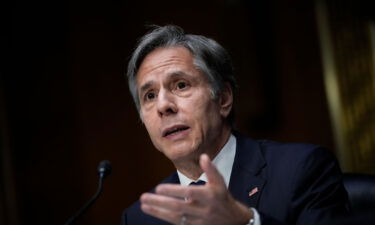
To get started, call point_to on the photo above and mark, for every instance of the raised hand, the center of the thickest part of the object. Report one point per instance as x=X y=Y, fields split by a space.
x=199 y=205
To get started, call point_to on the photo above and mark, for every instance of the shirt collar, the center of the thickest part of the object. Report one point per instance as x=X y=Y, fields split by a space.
x=223 y=162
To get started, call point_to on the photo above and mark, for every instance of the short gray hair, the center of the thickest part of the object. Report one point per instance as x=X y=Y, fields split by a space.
x=208 y=56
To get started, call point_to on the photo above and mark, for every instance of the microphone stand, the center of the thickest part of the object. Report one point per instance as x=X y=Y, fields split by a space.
x=103 y=171
x=88 y=204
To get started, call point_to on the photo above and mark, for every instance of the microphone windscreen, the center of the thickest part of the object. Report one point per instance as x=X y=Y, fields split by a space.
x=104 y=168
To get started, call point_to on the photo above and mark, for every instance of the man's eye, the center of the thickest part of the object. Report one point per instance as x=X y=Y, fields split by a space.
x=181 y=85
x=150 y=96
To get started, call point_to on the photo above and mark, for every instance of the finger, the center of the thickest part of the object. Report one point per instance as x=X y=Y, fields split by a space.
x=172 y=190
x=168 y=216
x=161 y=201
x=161 y=213
x=163 y=205
x=197 y=193
x=213 y=175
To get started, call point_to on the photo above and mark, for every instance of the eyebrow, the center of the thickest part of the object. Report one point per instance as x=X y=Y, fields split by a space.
x=146 y=86
x=171 y=75
x=177 y=74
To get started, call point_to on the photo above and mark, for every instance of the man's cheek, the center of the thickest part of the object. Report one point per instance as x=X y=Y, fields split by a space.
x=148 y=127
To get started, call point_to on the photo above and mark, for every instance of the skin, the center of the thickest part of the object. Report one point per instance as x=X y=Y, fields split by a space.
x=174 y=94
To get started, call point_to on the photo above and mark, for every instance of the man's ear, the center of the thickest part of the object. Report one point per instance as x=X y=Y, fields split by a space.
x=226 y=100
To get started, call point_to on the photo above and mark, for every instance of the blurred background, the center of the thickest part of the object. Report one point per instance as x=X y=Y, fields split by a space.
x=306 y=73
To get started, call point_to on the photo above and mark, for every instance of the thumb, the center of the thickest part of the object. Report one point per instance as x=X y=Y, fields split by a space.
x=213 y=175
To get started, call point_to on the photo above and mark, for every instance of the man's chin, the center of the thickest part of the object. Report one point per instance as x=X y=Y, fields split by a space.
x=179 y=154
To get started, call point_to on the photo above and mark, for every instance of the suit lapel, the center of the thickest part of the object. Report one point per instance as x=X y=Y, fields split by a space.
x=172 y=179
x=246 y=183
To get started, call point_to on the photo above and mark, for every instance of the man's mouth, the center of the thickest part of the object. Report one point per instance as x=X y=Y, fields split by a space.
x=174 y=130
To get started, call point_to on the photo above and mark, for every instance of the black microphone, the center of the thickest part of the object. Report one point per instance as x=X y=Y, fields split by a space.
x=104 y=169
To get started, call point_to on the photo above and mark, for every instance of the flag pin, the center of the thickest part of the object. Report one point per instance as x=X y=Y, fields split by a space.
x=253 y=191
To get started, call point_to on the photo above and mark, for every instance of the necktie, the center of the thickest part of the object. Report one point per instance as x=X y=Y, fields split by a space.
x=199 y=182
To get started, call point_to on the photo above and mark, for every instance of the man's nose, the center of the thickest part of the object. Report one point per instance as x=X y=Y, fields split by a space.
x=166 y=103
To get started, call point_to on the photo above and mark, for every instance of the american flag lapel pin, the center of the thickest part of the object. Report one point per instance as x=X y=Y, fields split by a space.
x=253 y=191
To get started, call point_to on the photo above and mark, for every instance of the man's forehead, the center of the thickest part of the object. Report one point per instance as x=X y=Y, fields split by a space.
x=162 y=55
x=170 y=61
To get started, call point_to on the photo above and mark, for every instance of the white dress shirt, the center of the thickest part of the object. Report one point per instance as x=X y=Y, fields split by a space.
x=224 y=163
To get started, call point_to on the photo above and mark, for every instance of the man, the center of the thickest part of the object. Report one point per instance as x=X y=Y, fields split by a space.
x=183 y=88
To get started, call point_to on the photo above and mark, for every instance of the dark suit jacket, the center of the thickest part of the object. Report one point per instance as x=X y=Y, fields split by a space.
x=297 y=184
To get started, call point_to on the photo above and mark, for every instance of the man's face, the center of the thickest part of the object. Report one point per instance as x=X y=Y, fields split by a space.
x=177 y=107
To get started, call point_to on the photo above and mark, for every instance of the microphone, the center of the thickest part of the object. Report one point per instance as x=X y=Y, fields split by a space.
x=104 y=169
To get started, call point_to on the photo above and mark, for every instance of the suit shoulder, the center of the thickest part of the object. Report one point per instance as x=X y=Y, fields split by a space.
x=294 y=154
x=291 y=149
